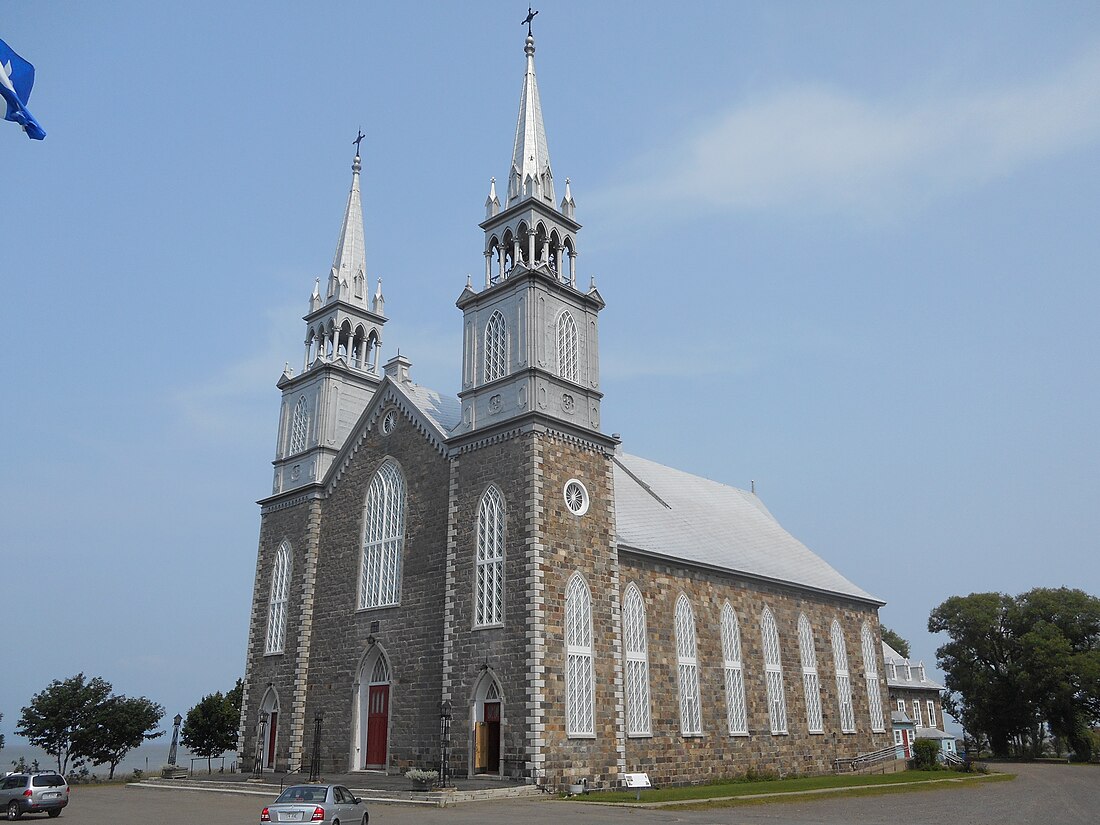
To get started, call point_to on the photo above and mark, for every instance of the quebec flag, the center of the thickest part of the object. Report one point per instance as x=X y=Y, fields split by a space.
x=16 y=79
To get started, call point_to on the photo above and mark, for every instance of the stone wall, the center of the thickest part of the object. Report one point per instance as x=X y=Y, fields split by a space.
x=909 y=695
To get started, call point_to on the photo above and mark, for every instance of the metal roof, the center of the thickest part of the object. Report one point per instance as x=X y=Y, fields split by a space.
x=901 y=666
x=665 y=512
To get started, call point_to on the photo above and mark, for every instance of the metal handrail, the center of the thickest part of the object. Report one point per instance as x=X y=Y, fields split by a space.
x=865 y=760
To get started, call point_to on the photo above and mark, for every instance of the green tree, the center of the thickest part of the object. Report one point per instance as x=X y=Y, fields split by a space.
x=118 y=726
x=210 y=727
x=895 y=641
x=1 y=735
x=55 y=717
x=236 y=695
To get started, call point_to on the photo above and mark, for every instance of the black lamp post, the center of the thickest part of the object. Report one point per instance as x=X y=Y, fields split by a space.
x=315 y=766
x=175 y=739
x=258 y=766
x=444 y=739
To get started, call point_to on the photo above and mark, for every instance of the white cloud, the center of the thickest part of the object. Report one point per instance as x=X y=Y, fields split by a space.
x=828 y=149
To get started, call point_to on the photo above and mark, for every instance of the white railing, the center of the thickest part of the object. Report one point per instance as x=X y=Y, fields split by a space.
x=865 y=760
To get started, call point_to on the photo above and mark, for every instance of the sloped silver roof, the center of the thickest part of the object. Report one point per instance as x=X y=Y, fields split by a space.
x=901 y=666
x=444 y=411
x=665 y=512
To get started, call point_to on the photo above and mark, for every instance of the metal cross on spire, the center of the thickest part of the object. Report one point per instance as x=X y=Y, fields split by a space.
x=528 y=19
x=358 y=140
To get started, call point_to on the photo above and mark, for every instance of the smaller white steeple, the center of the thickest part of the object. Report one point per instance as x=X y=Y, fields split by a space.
x=492 y=203
x=568 y=205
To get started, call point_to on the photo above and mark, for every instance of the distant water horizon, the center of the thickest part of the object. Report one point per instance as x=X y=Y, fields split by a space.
x=149 y=757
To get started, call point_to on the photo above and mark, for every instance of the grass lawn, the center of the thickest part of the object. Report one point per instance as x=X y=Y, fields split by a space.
x=800 y=785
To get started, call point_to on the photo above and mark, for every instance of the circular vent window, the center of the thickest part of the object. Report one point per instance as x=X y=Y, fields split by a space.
x=576 y=497
x=389 y=422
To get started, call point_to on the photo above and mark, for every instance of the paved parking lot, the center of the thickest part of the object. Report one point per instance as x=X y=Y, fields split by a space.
x=1041 y=795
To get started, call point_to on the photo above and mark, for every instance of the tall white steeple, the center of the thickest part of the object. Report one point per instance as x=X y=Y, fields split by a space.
x=530 y=175
x=340 y=367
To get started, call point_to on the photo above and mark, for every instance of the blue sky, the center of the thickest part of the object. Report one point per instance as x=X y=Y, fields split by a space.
x=849 y=250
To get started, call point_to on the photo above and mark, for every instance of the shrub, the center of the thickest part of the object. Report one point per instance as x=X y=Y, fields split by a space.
x=424 y=777
x=926 y=754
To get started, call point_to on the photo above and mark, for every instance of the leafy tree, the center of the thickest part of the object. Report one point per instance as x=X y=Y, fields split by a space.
x=895 y=641
x=55 y=717
x=210 y=727
x=235 y=696
x=1015 y=663
x=1 y=735
x=118 y=726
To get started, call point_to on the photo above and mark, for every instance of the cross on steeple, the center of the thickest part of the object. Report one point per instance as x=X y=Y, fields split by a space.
x=358 y=140
x=528 y=19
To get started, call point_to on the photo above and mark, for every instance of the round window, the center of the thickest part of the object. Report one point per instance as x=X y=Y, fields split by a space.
x=389 y=422
x=576 y=497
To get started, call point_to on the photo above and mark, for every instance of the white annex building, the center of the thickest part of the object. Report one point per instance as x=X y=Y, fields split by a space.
x=586 y=612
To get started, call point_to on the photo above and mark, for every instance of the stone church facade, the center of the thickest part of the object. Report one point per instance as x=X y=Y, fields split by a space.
x=585 y=612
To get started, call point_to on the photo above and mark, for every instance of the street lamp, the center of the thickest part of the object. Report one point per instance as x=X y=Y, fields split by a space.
x=258 y=765
x=444 y=739
x=315 y=766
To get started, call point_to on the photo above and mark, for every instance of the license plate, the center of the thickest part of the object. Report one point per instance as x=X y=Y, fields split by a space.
x=291 y=816
x=55 y=795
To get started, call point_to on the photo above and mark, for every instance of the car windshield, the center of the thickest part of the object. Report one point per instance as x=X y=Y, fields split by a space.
x=47 y=780
x=302 y=793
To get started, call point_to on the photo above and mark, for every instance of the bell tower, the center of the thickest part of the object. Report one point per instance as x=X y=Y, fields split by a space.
x=340 y=367
x=530 y=334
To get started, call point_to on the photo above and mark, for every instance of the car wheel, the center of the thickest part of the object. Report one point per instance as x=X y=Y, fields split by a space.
x=13 y=810
x=56 y=812
x=366 y=817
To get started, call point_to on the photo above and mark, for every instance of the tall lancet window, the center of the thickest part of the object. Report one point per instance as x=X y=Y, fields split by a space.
x=691 y=722
x=580 y=679
x=843 y=681
x=496 y=348
x=870 y=676
x=736 y=717
x=773 y=672
x=490 y=559
x=277 y=600
x=299 y=427
x=383 y=538
x=637 y=663
x=810 y=683
x=568 y=358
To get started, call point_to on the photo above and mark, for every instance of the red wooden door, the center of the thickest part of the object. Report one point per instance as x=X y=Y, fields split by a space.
x=905 y=743
x=492 y=731
x=272 y=724
x=378 y=717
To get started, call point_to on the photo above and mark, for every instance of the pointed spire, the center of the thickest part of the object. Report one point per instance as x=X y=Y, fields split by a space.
x=349 y=264
x=378 y=306
x=492 y=203
x=568 y=205
x=530 y=173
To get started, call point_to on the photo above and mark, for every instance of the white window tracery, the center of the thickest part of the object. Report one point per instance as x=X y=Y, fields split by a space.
x=773 y=672
x=496 y=347
x=843 y=681
x=299 y=427
x=687 y=668
x=383 y=538
x=637 y=663
x=736 y=715
x=580 y=681
x=810 y=682
x=870 y=678
x=931 y=713
x=277 y=600
x=489 y=607
x=568 y=347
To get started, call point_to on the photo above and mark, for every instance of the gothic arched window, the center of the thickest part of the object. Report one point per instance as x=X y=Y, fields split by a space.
x=773 y=672
x=736 y=717
x=687 y=668
x=843 y=681
x=810 y=683
x=489 y=607
x=277 y=600
x=870 y=677
x=383 y=538
x=568 y=358
x=496 y=348
x=580 y=679
x=637 y=663
x=299 y=426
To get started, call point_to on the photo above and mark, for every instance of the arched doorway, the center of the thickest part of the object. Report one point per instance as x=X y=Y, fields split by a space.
x=268 y=729
x=373 y=703
x=487 y=717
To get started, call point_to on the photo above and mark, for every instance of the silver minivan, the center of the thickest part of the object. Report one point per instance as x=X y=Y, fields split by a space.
x=33 y=793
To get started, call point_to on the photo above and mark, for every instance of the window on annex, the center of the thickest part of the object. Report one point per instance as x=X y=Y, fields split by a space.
x=736 y=716
x=688 y=668
x=568 y=348
x=810 y=683
x=843 y=681
x=496 y=348
x=637 y=663
x=299 y=427
x=870 y=678
x=489 y=608
x=383 y=538
x=773 y=672
x=580 y=679
x=916 y=714
x=931 y=713
x=277 y=600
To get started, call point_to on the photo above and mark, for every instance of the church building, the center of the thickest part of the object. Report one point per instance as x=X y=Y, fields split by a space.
x=584 y=611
